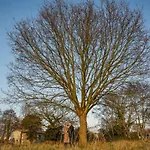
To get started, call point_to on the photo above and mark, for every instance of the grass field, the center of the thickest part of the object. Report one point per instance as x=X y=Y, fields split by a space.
x=117 y=145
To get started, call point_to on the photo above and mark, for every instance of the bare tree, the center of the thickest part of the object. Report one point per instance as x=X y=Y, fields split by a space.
x=117 y=114
x=140 y=97
x=125 y=110
x=71 y=55
x=52 y=116
x=10 y=122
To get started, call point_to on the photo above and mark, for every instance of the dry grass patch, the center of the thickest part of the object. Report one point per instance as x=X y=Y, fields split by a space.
x=117 y=145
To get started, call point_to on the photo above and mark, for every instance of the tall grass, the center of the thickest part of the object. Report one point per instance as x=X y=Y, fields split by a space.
x=117 y=145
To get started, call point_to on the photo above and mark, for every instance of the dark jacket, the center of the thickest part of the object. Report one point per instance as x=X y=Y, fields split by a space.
x=71 y=134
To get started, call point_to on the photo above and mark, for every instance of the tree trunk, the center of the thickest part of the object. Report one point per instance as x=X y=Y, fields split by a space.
x=83 y=130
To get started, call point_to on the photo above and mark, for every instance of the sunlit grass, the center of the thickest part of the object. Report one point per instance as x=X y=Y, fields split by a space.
x=117 y=145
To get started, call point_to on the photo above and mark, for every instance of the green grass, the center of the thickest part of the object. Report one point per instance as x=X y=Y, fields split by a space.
x=117 y=145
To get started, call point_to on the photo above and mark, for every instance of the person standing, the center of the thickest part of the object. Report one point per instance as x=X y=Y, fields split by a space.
x=66 y=136
x=71 y=133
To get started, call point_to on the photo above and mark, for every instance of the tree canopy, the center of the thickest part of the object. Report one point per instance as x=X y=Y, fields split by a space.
x=33 y=126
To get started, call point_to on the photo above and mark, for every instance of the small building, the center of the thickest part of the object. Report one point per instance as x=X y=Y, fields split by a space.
x=19 y=137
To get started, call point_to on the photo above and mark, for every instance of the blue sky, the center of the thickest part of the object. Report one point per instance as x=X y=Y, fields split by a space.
x=12 y=11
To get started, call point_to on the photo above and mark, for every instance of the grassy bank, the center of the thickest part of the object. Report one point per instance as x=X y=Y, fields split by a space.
x=117 y=145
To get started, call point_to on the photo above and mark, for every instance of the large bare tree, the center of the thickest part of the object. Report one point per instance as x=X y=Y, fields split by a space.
x=73 y=54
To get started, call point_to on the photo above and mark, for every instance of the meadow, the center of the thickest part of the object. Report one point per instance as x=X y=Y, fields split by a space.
x=116 y=145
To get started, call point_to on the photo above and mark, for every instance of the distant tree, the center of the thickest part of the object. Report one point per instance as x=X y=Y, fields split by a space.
x=116 y=115
x=54 y=133
x=73 y=55
x=1 y=125
x=52 y=116
x=10 y=123
x=33 y=125
x=124 y=110
x=139 y=94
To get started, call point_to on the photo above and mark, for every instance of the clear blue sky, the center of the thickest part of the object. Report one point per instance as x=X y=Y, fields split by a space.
x=12 y=11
